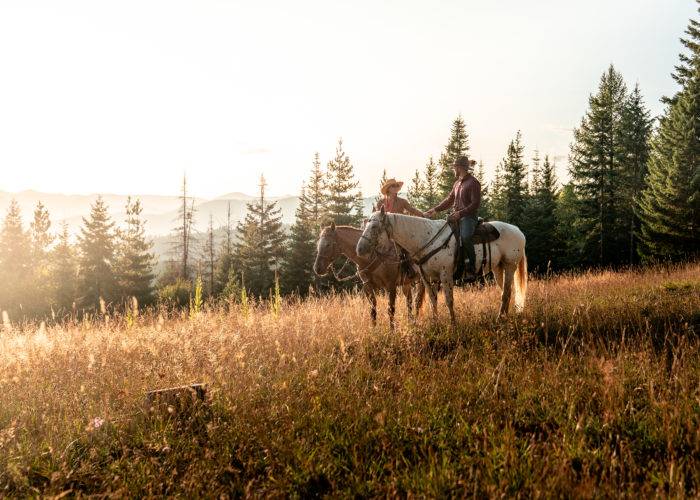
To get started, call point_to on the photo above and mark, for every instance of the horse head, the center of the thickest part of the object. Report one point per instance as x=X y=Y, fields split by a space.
x=326 y=250
x=376 y=234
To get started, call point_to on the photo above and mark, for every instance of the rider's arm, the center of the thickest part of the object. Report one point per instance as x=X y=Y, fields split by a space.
x=411 y=210
x=445 y=204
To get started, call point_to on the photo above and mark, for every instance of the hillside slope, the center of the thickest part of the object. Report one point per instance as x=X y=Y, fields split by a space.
x=592 y=391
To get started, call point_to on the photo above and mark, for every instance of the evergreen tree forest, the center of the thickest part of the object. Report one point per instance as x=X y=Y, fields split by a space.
x=53 y=275
x=629 y=195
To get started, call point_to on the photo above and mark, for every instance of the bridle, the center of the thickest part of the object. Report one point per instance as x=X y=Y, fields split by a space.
x=415 y=257
x=377 y=258
x=374 y=244
x=331 y=256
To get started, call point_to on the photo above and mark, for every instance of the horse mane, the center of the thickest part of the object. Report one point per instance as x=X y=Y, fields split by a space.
x=327 y=229
x=433 y=224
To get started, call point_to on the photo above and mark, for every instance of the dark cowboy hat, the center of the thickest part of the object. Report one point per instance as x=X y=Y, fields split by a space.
x=464 y=162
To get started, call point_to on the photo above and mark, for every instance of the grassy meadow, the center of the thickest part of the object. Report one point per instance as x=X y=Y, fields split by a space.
x=594 y=390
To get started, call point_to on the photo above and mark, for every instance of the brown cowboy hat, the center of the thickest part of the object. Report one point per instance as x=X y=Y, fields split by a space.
x=390 y=182
x=464 y=162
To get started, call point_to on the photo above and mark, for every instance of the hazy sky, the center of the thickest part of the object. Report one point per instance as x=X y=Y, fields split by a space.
x=123 y=96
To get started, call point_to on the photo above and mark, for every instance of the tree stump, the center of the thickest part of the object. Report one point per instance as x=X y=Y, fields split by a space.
x=176 y=401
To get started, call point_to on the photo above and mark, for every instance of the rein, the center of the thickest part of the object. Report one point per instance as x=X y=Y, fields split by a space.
x=337 y=273
x=426 y=257
x=379 y=258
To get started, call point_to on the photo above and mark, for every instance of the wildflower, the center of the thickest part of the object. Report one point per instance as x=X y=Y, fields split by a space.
x=97 y=422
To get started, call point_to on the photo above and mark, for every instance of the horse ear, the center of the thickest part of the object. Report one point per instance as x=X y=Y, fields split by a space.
x=333 y=226
x=382 y=211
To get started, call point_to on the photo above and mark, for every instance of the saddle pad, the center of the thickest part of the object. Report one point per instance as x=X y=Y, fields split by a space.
x=485 y=233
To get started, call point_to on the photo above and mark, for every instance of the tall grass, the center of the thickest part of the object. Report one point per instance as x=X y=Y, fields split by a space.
x=592 y=391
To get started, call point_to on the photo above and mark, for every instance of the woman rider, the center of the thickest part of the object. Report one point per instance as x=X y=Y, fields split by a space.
x=393 y=204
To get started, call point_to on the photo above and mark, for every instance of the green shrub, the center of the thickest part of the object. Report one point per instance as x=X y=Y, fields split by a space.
x=175 y=294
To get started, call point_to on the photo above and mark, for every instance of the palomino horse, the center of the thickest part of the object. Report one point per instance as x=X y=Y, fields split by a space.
x=420 y=237
x=379 y=270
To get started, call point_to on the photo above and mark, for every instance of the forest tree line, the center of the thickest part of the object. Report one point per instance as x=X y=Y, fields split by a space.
x=633 y=196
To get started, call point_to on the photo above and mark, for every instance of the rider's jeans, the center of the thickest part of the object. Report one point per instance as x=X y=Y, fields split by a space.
x=467 y=225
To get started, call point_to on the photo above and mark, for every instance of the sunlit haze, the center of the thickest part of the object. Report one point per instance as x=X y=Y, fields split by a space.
x=123 y=97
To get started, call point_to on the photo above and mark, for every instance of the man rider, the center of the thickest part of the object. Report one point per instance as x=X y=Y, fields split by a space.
x=466 y=198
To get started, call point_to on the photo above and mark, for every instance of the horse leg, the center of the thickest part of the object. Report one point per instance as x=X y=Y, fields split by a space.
x=432 y=295
x=408 y=293
x=498 y=274
x=509 y=271
x=447 y=288
x=369 y=293
x=420 y=296
x=392 y=307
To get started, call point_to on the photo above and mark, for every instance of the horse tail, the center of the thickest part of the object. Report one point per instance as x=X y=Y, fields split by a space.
x=521 y=283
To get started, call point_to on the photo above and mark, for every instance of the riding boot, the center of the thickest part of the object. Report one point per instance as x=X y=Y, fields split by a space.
x=469 y=272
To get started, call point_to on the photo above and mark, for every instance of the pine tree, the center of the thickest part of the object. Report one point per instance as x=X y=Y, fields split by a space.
x=315 y=200
x=431 y=189
x=636 y=131
x=514 y=183
x=261 y=244
x=485 y=205
x=344 y=198
x=688 y=62
x=359 y=209
x=209 y=255
x=39 y=230
x=228 y=231
x=184 y=240
x=497 y=205
x=41 y=241
x=597 y=165
x=670 y=203
x=15 y=263
x=532 y=176
x=316 y=197
x=534 y=173
x=416 y=192
x=96 y=262
x=568 y=230
x=225 y=266
x=297 y=272
x=134 y=261
x=64 y=273
x=543 y=243
x=457 y=145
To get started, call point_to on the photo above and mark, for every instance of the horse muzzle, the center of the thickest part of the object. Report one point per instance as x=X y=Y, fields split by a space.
x=364 y=247
x=319 y=270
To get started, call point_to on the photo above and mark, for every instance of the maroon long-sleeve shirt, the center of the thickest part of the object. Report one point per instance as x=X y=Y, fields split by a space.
x=465 y=195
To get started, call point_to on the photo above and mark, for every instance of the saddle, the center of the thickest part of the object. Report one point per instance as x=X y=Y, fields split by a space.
x=484 y=234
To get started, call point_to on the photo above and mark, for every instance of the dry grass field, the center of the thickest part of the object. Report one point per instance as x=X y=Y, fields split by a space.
x=593 y=391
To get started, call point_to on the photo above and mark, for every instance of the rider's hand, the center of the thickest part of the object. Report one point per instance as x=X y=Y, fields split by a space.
x=454 y=217
x=429 y=213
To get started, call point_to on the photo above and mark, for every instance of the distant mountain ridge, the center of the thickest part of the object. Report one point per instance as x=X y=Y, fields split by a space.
x=160 y=212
